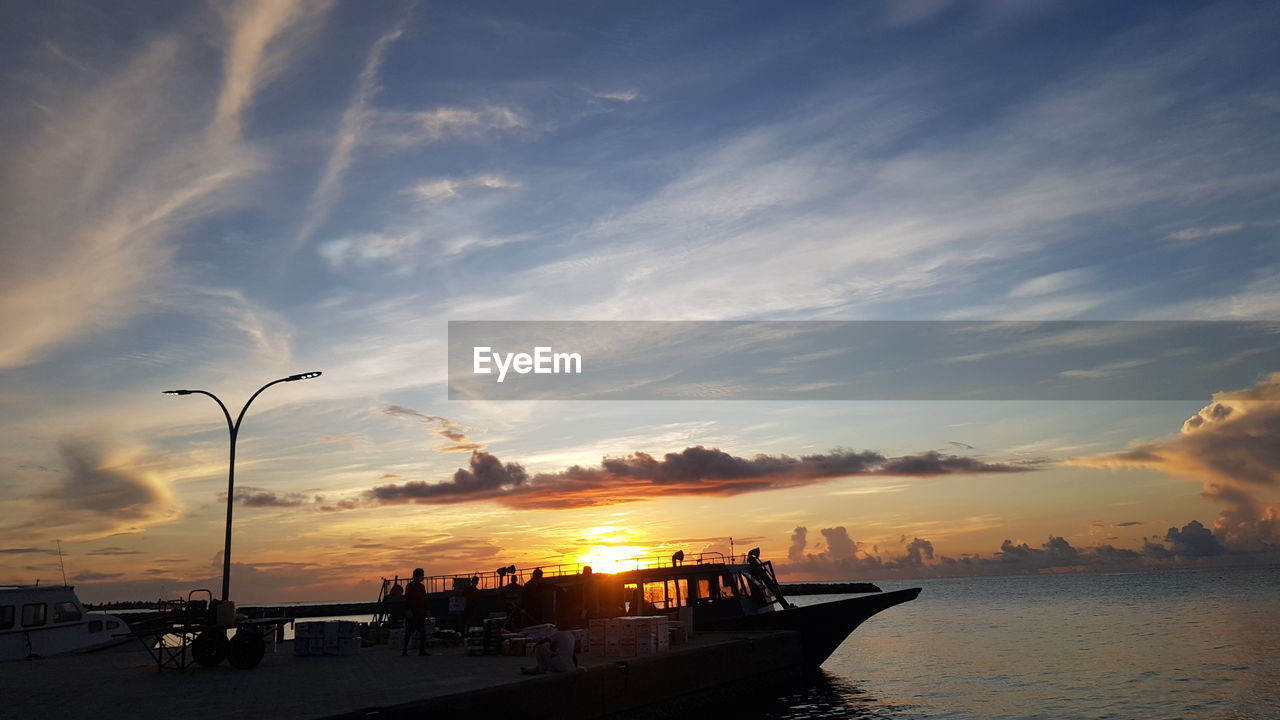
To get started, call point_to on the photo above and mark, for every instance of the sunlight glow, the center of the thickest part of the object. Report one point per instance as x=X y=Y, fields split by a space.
x=612 y=558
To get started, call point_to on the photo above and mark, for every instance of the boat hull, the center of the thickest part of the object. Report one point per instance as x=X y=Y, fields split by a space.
x=823 y=626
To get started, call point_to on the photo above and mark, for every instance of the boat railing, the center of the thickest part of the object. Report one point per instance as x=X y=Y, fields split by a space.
x=496 y=579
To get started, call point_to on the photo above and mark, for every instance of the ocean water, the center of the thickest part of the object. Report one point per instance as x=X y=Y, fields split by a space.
x=1192 y=644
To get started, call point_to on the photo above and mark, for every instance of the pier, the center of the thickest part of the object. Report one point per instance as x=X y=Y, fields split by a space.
x=379 y=683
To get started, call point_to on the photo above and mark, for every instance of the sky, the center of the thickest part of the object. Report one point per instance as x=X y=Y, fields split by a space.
x=213 y=196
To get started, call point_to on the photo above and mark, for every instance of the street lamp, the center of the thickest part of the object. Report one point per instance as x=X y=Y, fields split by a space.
x=234 y=429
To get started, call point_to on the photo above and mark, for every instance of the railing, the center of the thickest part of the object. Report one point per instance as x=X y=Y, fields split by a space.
x=494 y=579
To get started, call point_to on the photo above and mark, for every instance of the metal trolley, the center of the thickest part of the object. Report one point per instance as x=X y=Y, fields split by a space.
x=195 y=628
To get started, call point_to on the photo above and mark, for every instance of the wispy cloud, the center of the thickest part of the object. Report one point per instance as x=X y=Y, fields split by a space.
x=93 y=200
x=455 y=435
x=1200 y=233
x=352 y=129
x=447 y=188
x=625 y=96
x=465 y=122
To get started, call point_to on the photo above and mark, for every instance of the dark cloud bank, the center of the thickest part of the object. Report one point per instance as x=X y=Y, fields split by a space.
x=837 y=555
x=695 y=471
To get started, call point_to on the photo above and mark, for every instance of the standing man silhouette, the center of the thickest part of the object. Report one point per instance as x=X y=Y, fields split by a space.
x=415 y=619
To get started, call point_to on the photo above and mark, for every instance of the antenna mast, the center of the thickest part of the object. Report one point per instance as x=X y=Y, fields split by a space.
x=60 y=563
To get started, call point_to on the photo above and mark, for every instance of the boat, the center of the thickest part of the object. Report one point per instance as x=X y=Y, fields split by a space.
x=43 y=620
x=707 y=591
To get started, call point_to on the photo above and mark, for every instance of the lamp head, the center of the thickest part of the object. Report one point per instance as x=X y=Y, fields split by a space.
x=303 y=376
x=177 y=392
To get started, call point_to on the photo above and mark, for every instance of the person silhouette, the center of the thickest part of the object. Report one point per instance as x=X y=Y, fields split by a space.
x=415 y=618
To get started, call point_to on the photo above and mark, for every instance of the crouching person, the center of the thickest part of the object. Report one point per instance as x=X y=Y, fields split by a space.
x=553 y=655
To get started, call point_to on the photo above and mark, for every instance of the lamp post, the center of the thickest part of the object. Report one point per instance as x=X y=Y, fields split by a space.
x=234 y=429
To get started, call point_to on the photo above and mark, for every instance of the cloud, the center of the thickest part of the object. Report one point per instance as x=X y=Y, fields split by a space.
x=1232 y=445
x=695 y=471
x=27 y=551
x=840 y=556
x=1204 y=232
x=1054 y=283
x=455 y=434
x=93 y=197
x=113 y=551
x=486 y=474
x=257 y=51
x=459 y=122
x=352 y=129
x=99 y=494
x=95 y=484
x=918 y=552
x=92 y=576
x=1104 y=370
x=448 y=188
x=1193 y=540
x=625 y=96
x=253 y=497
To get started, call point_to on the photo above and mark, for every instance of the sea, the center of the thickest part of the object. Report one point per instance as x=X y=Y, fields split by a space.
x=1192 y=644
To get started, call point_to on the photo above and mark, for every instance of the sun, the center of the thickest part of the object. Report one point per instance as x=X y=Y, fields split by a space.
x=612 y=558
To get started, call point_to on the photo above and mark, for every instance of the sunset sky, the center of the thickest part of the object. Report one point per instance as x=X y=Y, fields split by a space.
x=216 y=195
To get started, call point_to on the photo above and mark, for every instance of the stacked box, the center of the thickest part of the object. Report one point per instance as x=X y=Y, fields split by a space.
x=613 y=637
x=626 y=636
x=580 y=641
x=651 y=634
x=335 y=637
x=596 y=636
x=492 y=634
x=646 y=636
x=629 y=632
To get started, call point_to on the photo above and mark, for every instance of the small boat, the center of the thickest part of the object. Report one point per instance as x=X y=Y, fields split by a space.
x=709 y=591
x=43 y=620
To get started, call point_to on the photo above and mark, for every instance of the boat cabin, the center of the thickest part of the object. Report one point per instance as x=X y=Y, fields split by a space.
x=706 y=588
x=41 y=620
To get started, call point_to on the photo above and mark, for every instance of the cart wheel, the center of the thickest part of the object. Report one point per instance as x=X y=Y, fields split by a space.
x=209 y=647
x=246 y=649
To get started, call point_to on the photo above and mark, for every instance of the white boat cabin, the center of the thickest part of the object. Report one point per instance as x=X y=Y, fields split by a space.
x=43 y=620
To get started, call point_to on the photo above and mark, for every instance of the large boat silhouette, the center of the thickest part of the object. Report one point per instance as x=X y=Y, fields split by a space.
x=709 y=591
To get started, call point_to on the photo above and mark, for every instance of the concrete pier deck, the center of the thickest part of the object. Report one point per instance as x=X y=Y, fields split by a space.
x=380 y=683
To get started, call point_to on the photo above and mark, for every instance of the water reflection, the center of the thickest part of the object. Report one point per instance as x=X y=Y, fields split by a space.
x=1198 y=645
x=823 y=695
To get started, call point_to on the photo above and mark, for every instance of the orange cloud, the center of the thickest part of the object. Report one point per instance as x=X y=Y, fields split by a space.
x=1233 y=445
